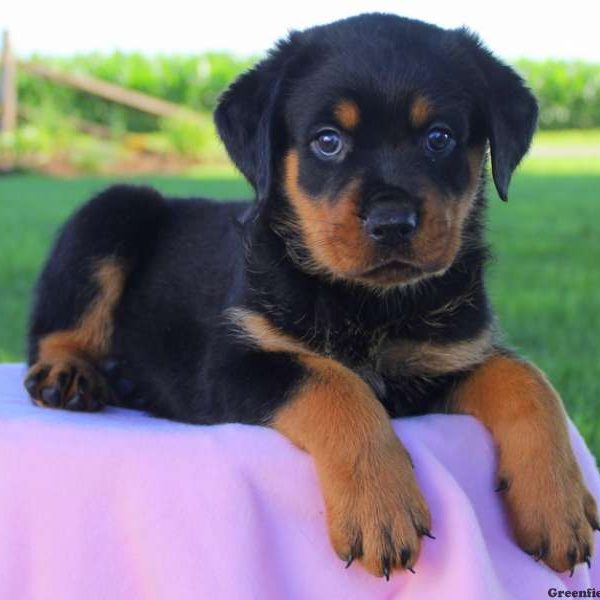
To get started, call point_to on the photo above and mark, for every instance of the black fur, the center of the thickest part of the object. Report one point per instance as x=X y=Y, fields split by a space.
x=188 y=261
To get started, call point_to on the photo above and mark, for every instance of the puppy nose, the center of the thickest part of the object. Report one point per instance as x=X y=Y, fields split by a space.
x=391 y=223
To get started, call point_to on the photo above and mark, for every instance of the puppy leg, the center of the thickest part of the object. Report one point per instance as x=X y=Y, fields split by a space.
x=551 y=512
x=376 y=513
x=72 y=321
x=66 y=372
x=375 y=510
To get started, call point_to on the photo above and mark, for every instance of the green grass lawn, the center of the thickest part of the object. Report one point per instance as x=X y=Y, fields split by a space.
x=544 y=282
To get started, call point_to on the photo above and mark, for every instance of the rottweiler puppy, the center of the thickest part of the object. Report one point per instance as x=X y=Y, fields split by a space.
x=350 y=291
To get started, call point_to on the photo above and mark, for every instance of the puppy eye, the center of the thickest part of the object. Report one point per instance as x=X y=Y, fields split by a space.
x=440 y=139
x=327 y=144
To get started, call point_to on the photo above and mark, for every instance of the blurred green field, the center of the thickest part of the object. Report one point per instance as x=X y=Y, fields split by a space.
x=544 y=281
x=53 y=133
x=568 y=91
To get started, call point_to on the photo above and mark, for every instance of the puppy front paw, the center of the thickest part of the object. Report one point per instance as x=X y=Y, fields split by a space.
x=553 y=516
x=376 y=512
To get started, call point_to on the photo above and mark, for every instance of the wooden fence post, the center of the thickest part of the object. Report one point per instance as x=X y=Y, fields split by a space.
x=110 y=91
x=8 y=118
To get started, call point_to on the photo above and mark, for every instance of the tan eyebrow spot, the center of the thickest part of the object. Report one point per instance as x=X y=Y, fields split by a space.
x=347 y=114
x=420 y=111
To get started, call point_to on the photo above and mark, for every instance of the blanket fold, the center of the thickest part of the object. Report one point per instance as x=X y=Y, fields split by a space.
x=121 y=505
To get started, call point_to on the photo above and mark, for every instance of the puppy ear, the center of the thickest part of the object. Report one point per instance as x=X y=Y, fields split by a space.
x=245 y=118
x=509 y=109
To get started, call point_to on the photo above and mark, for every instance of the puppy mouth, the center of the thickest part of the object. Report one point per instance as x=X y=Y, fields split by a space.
x=392 y=271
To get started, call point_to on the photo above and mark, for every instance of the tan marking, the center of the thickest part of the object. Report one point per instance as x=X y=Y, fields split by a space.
x=92 y=335
x=440 y=235
x=74 y=353
x=365 y=472
x=420 y=112
x=409 y=357
x=347 y=114
x=261 y=332
x=330 y=227
x=546 y=498
x=338 y=245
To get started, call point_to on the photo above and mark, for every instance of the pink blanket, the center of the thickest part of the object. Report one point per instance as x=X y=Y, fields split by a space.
x=120 y=505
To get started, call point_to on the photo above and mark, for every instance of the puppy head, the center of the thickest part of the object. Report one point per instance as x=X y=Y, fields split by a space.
x=364 y=139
